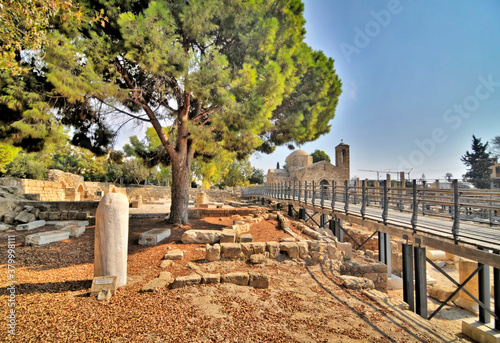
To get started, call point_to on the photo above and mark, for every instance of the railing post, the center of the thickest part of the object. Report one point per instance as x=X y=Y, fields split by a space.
x=314 y=193
x=423 y=198
x=293 y=193
x=289 y=190
x=408 y=288
x=300 y=190
x=386 y=204
x=305 y=192
x=456 y=219
x=363 y=199
x=496 y=295
x=415 y=207
x=346 y=191
x=322 y=194
x=484 y=292
x=420 y=282
x=333 y=195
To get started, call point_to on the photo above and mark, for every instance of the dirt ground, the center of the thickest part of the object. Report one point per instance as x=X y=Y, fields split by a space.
x=302 y=304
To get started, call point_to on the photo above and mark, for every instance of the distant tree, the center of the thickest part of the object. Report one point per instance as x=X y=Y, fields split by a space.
x=479 y=162
x=495 y=147
x=27 y=166
x=238 y=174
x=134 y=171
x=320 y=155
x=7 y=154
x=113 y=172
x=448 y=176
x=257 y=176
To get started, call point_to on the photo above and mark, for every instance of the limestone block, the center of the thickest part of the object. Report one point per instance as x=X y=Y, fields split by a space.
x=303 y=249
x=210 y=278
x=71 y=215
x=111 y=237
x=25 y=217
x=317 y=257
x=231 y=251
x=154 y=285
x=42 y=238
x=188 y=280
x=53 y=215
x=203 y=206
x=201 y=236
x=273 y=248
x=64 y=215
x=63 y=224
x=291 y=248
x=83 y=215
x=333 y=252
x=30 y=226
x=167 y=276
x=8 y=217
x=246 y=237
x=228 y=236
x=101 y=283
x=353 y=282
x=174 y=254
x=43 y=216
x=212 y=252
x=4 y=227
x=247 y=249
x=257 y=258
x=258 y=280
x=74 y=230
x=238 y=278
x=153 y=236
x=435 y=255
x=441 y=292
x=288 y=239
x=166 y=263
x=259 y=247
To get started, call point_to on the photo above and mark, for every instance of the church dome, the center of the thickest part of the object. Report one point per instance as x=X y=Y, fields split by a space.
x=299 y=152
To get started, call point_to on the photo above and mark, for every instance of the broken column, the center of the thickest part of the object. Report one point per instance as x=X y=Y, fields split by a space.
x=111 y=237
x=201 y=198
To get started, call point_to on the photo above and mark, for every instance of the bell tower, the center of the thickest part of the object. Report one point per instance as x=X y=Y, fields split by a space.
x=343 y=160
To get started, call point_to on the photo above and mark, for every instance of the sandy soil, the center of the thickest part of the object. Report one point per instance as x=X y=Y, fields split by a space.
x=302 y=304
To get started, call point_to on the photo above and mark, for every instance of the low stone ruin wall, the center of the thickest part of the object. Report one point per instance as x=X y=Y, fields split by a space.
x=370 y=269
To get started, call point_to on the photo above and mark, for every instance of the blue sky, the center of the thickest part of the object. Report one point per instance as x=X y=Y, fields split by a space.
x=419 y=79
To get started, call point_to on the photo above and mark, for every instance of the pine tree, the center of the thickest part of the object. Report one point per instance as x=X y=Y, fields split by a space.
x=479 y=162
x=205 y=74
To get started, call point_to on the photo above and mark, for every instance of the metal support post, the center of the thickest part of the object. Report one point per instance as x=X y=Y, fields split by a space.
x=322 y=195
x=408 y=288
x=484 y=292
x=305 y=192
x=496 y=295
x=300 y=190
x=420 y=282
x=290 y=210
x=314 y=193
x=363 y=199
x=386 y=204
x=346 y=193
x=414 y=215
x=382 y=256
x=333 y=195
x=456 y=217
x=323 y=219
x=302 y=213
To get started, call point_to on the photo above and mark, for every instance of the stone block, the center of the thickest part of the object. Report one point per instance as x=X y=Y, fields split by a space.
x=231 y=251
x=25 y=217
x=166 y=263
x=53 y=215
x=203 y=205
x=441 y=292
x=273 y=248
x=237 y=278
x=228 y=236
x=154 y=285
x=30 y=226
x=258 y=280
x=167 y=276
x=247 y=249
x=74 y=230
x=201 y=236
x=353 y=282
x=188 y=280
x=246 y=238
x=210 y=278
x=71 y=215
x=174 y=254
x=43 y=216
x=480 y=332
x=259 y=247
x=81 y=215
x=303 y=249
x=257 y=259
x=63 y=224
x=346 y=249
x=64 y=215
x=291 y=248
x=212 y=252
x=100 y=283
x=104 y=295
x=42 y=238
x=4 y=227
x=153 y=236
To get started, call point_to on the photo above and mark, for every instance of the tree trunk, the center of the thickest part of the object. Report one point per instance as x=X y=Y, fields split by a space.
x=180 y=190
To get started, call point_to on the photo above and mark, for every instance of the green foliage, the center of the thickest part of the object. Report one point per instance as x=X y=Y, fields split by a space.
x=27 y=166
x=257 y=176
x=7 y=154
x=495 y=147
x=320 y=155
x=479 y=162
x=134 y=171
x=237 y=174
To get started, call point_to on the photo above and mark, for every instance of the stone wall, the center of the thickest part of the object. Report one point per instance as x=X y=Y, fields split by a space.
x=372 y=270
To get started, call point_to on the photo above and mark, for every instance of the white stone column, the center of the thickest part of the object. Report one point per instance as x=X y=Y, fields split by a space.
x=111 y=237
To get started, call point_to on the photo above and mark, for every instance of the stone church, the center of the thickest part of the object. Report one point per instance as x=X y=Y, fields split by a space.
x=300 y=167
